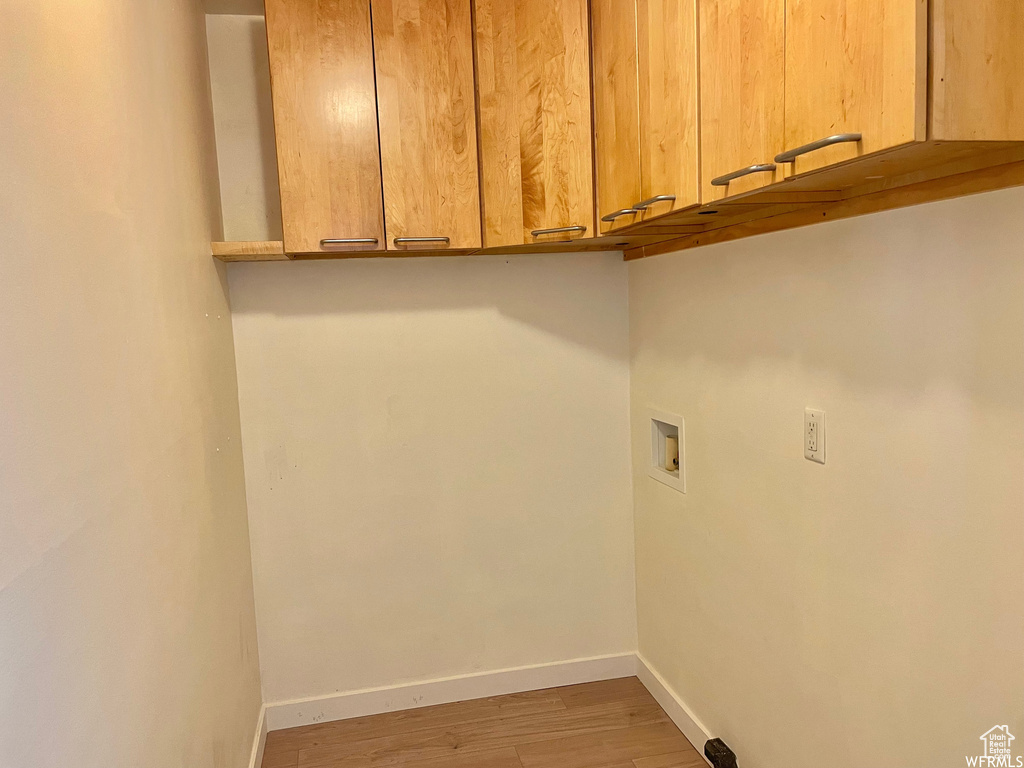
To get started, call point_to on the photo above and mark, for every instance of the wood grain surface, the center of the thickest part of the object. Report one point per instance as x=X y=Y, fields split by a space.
x=854 y=66
x=426 y=105
x=533 y=84
x=669 y=126
x=977 y=69
x=325 y=121
x=609 y=724
x=742 y=70
x=616 y=109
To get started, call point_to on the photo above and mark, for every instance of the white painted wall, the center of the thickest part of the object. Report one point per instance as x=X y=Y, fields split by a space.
x=866 y=612
x=243 y=116
x=127 y=631
x=437 y=465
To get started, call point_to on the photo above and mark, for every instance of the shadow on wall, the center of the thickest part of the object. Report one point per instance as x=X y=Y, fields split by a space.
x=244 y=120
x=578 y=297
x=901 y=300
x=235 y=7
x=265 y=126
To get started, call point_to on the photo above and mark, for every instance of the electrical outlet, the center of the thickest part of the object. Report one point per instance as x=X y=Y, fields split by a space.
x=814 y=435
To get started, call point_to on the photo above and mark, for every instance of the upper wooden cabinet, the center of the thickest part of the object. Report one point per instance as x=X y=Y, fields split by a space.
x=616 y=111
x=853 y=67
x=325 y=120
x=427 y=113
x=977 y=70
x=743 y=98
x=861 y=68
x=645 y=108
x=669 y=138
x=807 y=109
x=533 y=84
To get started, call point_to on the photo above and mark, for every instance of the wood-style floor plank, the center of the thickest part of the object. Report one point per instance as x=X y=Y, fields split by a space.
x=610 y=724
x=279 y=758
x=604 y=749
x=687 y=759
x=603 y=692
x=494 y=758
x=408 y=720
x=453 y=738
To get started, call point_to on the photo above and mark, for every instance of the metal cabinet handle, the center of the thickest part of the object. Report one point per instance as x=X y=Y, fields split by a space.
x=723 y=181
x=559 y=230
x=617 y=214
x=348 y=241
x=840 y=138
x=408 y=240
x=643 y=205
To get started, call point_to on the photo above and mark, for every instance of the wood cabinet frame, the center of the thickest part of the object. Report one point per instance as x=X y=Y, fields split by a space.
x=960 y=130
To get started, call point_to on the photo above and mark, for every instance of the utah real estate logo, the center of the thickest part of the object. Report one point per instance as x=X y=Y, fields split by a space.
x=998 y=750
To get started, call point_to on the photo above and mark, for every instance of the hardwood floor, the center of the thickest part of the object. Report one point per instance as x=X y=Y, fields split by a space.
x=610 y=724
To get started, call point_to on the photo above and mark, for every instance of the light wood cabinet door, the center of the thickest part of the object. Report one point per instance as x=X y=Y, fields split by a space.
x=325 y=120
x=667 y=66
x=743 y=98
x=427 y=113
x=533 y=83
x=977 y=68
x=616 y=110
x=854 y=67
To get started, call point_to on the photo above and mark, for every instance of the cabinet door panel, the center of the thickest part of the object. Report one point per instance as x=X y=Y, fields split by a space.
x=325 y=120
x=427 y=114
x=742 y=70
x=977 y=67
x=667 y=63
x=533 y=80
x=616 y=108
x=854 y=66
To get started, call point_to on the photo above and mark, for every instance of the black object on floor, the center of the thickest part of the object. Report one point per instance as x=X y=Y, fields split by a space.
x=718 y=752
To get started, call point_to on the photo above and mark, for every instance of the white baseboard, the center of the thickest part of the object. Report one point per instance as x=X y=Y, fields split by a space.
x=372 y=701
x=260 y=741
x=687 y=722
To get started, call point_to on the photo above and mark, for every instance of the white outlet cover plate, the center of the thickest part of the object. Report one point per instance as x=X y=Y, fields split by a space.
x=655 y=468
x=814 y=435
